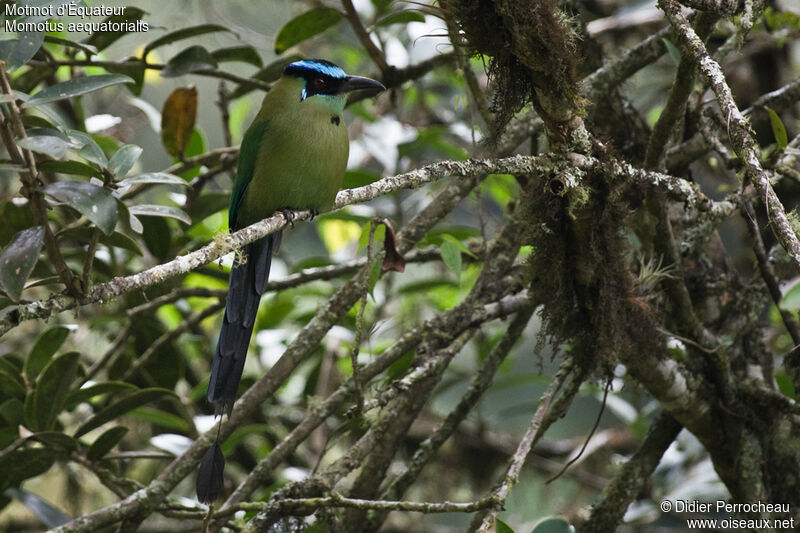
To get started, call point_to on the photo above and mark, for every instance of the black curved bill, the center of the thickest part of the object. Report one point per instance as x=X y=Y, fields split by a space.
x=354 y=83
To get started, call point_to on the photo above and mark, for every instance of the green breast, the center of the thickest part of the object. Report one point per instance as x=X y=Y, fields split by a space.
x=301 y=161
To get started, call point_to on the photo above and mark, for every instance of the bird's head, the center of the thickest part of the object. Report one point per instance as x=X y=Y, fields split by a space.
x=323 y=82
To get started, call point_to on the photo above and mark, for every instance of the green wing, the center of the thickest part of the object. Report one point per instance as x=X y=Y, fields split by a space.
x=248 y=154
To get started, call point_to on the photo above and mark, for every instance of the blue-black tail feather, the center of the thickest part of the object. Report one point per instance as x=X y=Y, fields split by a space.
x=248 y=281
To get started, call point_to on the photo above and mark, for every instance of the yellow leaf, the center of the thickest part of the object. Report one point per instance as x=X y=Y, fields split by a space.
x=177 y=119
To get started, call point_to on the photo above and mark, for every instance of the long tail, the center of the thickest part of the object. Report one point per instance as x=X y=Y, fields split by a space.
x=248 y=281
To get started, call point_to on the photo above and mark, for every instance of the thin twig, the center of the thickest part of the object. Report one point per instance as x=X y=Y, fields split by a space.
x=485 y=523
x=363 y=36
x=211 y=73
x=170 y=336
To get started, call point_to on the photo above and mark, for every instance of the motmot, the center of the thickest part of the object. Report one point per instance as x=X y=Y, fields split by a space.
x=293 y=157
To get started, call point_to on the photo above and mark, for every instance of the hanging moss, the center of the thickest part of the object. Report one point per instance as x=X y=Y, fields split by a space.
x=534 y=57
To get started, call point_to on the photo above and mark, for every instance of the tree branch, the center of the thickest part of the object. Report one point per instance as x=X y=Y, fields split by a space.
x=738 y=128
x=225 y=244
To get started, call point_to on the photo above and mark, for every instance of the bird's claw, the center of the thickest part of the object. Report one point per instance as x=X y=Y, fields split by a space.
x=314 y=213
x=288 y=214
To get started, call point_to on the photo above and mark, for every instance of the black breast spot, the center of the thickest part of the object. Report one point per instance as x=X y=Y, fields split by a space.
x=335 y=119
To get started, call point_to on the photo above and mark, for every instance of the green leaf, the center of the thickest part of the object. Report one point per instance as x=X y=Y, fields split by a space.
x=121 y=407
x=457 y=242
x=10 y=385
x=11 y=411
x=133 y=222
x=208 y=204
x=45 y=144
x=91 y=151
x=29 y=80
x=157 y=236
x=22 y=464
x=17 y=52
x=88 y=49
x=553 y=525
x=245 y=54
x=56 y=439
x=12 y=362
x=87 y=393
x=105 y=442
x=50 y=515
x=181 y=34
x=451 y=255
x=95 y=203
x=43 y=350
x=193 y=59
x=52 y=388
x=133 y=67
x=784 y=381
x=672 y=49
x=305 y=26
x=402 y=17
x=18 y=259
x=381 y=4
x=103 y=39
x=40 y=130
x=162 y=418
x=75 y=87
x=502 y=527
x=123 y=160
x=778 y=129
x=153 y=178
x=15 y=218
x=377 y=239
x=151 y=210
x=83 y=234
x=73 y=168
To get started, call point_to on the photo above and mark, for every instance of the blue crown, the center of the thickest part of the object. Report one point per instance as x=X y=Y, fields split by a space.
x=319 y=66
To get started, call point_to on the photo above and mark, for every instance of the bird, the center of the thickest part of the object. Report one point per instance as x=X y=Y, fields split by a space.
x=293 y=157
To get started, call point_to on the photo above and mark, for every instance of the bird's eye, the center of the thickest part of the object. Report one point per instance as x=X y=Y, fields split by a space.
x=319 y=83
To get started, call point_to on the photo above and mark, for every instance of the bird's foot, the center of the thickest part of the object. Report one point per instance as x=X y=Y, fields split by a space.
x=288 y=214
x=314 y=213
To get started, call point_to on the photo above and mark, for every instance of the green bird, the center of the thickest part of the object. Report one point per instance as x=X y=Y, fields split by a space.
x=293 y=157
